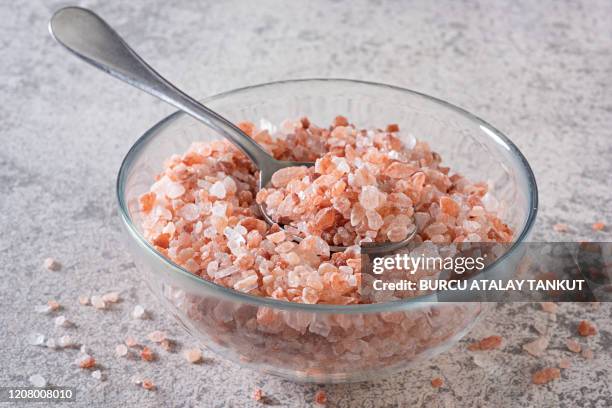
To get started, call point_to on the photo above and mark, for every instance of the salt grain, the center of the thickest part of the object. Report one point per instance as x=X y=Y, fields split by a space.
x=121 y=350
x=36 y=339
x=573 y=346
x=157 y=336
x=545 y=375
x=97 y=374
x=320 y=397
x=43 y=309
x=52 y=265
x=111 y=297
x=37 y=380
x=193 y=355
x=536 y=347
x=139 y=312
x=84 y=300
x=66 y=341
x=98 y=302
x=61 y=321
x=148 y=384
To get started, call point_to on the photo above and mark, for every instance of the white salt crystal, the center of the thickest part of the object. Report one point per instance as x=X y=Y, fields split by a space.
x=219 y=209
x=51 y=344
x=121 y=350
x=218 y=190
x=97 y=374
x=84 y=349
x=111 y=297
x=66 y=341
x=98 y=302
x=61 y=321
x=36 y=339
x=43 y=309
x=38 y=380
x=190 y=212
x=139 y=312
x=84 y=300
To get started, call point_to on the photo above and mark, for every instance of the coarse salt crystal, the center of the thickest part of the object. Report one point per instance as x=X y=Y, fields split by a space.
x=157 y=336
x=66 y=341
x=36 y=339
x=320 y=397
x=121 y=350
x=139 y=312
x=52 y=265
x=61 y=321
x=84 y=300
x=98 y=302
x=536 y=347
x=193 y=355
x=111 y=297
x=43 y=309
x=38 y=380
x=50 y=343
x=97 y=374
x=218 y=190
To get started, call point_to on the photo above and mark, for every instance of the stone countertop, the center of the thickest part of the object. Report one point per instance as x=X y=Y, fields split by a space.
x=539 y=71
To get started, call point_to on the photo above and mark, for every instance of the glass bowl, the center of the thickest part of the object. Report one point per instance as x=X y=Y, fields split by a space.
x=327 y=343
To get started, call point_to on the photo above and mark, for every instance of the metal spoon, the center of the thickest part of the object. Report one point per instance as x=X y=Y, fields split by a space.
x=90 y=38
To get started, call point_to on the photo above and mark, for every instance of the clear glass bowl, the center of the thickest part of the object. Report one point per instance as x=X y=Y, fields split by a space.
x=326 y=343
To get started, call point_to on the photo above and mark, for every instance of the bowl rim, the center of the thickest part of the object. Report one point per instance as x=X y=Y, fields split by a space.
x=396 y=305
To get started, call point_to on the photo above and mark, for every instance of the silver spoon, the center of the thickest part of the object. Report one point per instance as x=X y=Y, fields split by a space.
x=90 y=38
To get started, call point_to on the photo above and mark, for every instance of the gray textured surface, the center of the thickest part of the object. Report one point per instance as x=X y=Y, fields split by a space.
x=540 y=71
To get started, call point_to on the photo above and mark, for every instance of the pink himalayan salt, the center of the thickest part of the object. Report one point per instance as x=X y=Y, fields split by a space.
x=536 y=347
x=194 y=356
x=157 y=336
x=52 y=264
x=401 y=187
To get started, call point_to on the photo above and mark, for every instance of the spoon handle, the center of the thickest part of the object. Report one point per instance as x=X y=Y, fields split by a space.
x=90 y=38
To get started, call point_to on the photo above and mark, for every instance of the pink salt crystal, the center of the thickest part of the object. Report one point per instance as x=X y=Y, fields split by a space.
x=310 y=296
x=549 y=307
x=375 y=221
x=277 y=237
x=564 y=363
x=536 y=347
x=174 y=190
x=157 y=336
x=283 y=176
x=396 y=234
x=131 y=342
x=573 y=346
x=52 y=265
x=247 y=284
x=369 y=197
x=98 y=302
x=84 y=300
x=189 y=212
x=218 y=190
x=111 y=297
x=258 y=394
x=194 y=356
x=560 y=227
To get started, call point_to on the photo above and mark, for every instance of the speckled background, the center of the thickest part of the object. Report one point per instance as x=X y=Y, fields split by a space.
x=539 y=71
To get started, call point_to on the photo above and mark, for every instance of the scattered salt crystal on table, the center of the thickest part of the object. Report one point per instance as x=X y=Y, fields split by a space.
x=560 y=227
x=599 y=226
x=147 y=354
x=258 y=394
x=84 y=349
x=84 y=300
x=573 y=346
x=131 y=342
x=157 y=336
x=97 y=374
x=61 y=321
x=54 y=305
x=549 y=307
x=139 y=312
x=536 y=347
x=52 y=265
x=43 y=309
x=66 y=341
x=121 y=350
x=586 y=328
x=50 y=343
x=193 y=355
x=437 y=382
x=38 y=380
x=545 y=375
x=111 y=297
x=98 y=302
x=148 y=384
x=564 y=363
x=36 y=339
x=320 y=397
x=86 y=361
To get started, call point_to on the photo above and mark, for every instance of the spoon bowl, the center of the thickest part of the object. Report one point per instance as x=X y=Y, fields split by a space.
x=90 y=38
